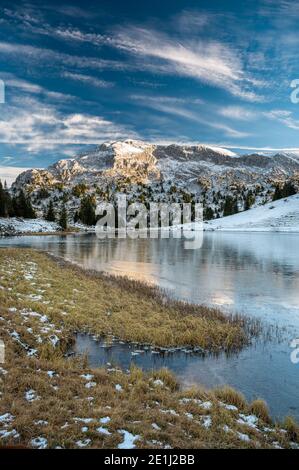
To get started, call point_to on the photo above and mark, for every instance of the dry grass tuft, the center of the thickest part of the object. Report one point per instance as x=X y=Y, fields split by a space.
x=62 y=402
x=292 y=428
x=106 y=306
x=259 y=408
x=230 y=396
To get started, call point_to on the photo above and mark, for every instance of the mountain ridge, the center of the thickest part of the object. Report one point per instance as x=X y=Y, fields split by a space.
x=167 y=173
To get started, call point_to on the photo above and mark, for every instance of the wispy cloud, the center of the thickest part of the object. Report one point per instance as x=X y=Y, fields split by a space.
x=88 y=79
x=184 y=52
x=175 y=107
x=42 y=57
x=211 y=62
x=284 y=117
x=25 y=86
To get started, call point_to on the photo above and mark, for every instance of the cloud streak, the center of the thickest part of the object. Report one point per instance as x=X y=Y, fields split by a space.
x=175 y=107
x=210 y=62
x=284 y=117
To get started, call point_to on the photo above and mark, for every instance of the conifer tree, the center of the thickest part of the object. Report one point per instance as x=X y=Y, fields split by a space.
x=22 y=206
x=63 y=218
x=87 y=213
x=230 y=206
x=2 y=201
x=50 y=214
x=249 y=201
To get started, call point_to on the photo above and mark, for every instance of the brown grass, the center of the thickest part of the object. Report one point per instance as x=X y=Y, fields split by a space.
x=150 y=405
x=230 y=396
x=259 y=408
x=126 y=309
x=292 y=428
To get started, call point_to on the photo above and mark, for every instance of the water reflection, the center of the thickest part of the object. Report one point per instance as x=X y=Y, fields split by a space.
x=254 y=273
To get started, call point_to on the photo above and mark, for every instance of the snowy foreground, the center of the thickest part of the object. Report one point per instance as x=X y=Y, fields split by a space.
x=18 y=226
x=278 y=216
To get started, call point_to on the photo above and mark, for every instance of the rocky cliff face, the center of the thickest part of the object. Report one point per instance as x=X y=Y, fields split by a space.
x=138 y=167
x=142 y=162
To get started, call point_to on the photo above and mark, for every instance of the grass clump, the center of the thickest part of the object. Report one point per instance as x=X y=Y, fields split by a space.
x=292 y=428
x=260 y=409
x=45 y=395
x=231 y=396
x=107 y=306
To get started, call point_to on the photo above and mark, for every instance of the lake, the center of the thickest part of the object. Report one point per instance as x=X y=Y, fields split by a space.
x=251 y=273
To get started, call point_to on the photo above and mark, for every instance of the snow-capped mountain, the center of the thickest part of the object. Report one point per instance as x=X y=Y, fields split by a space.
x=163 y=172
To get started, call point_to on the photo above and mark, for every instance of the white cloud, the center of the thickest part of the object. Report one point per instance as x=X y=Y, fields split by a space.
x=167 y=99
x=44 y=127
x=10 y=173
x=237 y=112
x=211 y=62
x=50 y=58
x=284 y=117
x=87 y=79
x=72 y=34
x=174 y=107
x=33 y=88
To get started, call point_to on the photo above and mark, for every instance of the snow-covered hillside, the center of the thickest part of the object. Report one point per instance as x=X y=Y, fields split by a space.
x=18 y=226
x=278 y=216
x=145 y=162
x=221 y=180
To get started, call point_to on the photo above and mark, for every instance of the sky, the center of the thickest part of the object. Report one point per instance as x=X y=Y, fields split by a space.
x=80 y=73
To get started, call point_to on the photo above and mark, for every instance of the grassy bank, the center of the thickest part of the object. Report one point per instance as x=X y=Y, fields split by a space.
x=48 y=400
x=108 y=306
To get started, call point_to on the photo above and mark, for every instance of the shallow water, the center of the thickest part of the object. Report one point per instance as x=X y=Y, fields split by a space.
x=252 y=273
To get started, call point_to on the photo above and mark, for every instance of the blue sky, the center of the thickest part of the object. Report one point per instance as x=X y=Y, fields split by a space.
x=79 y=73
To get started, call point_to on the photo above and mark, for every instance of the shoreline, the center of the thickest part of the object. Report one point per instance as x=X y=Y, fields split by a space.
x=207 y=230
x=49 y=400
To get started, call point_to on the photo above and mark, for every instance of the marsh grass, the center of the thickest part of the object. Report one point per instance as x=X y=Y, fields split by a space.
x=259 y=408
x=43 y=303
x=129 y=310
x=292 y=428
x=231 y=396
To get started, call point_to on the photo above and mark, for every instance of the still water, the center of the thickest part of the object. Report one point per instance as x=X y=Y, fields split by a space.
x=252 y=273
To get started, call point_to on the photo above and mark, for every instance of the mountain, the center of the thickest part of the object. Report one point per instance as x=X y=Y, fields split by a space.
x=170 y=173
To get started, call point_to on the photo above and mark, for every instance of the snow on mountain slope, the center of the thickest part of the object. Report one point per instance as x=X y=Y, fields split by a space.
x=160 y=173
x=17 y=226
x=145 y=162
x=278 y=216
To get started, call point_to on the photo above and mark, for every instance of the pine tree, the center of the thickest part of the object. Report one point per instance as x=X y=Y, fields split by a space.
x=6 y=209
x=87 y=213
x=76 y=217
x=22 y=206
x=208 y=213
x=289 y=189
x=230 y=206
x=8 y=203
x=63 y=218
x=3 y=212
x=50 y=214
x=249 y=201
x=278 y=193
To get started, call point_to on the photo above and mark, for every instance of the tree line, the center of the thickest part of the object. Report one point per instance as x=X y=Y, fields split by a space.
x=17 y=206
